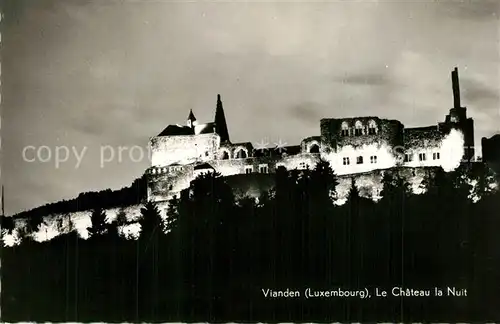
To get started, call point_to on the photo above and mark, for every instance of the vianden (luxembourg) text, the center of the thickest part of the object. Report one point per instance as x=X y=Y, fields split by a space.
x=365 y=292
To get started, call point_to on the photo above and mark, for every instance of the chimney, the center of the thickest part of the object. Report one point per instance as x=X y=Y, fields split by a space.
x=456 y=88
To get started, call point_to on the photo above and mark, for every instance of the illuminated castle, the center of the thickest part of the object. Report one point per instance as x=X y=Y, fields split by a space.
x=350 y=145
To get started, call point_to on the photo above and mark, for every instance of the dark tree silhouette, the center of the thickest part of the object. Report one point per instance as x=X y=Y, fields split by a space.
x=98 y=221
x=33 y=224
x=7 y=224
x=220 y=253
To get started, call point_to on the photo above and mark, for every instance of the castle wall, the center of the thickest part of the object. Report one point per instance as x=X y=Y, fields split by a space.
x=430 y=143
x=183 y=149
x=307 y=143
x=356 y=145
x=57 y=224
x=370 y=184
x=165 y=182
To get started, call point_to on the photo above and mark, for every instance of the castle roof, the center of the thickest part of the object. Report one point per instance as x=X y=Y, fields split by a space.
x=173 y=130
x=204 y=128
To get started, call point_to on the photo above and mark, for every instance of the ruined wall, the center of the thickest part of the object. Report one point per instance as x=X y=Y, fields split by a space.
x=57 y=224
x=164 y=182
x=370 y=184
x=356 y=145
x=437 y=148
x=421 y=146
x=307 y=143
x=183 y=149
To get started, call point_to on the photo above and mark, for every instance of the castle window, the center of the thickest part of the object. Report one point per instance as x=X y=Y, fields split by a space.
x=248 y=169
x=302 y=165
x=225 y=155
x=422 y=157
x=170 y=187
x=263 y=168
x=314 y=148
x=344 y=129
x=358 y=128
x=241 y=154
x=372 y=127
x=359 y=160
x=373 y=159
x=408 y=157
x=435 y=156
x=345 y=161
x=206 y=153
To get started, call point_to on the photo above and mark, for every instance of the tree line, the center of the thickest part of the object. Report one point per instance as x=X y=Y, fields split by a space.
x=211 y=257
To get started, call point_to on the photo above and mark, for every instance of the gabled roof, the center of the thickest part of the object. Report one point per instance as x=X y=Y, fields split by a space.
x=172 y=130
x=204 y=128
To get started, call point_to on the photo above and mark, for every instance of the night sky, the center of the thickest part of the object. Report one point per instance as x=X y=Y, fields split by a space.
x=93 y=73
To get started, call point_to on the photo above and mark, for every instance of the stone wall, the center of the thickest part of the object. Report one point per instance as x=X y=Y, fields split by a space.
x=57 y=224
x=386 y=132
x=183 y=149
x=164 y=182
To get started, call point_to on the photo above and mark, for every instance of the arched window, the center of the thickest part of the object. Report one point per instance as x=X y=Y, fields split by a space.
x=358 y=128
x=344 y=129
x=225 y=155
x=241 y=154
x=372 y=127
x=314 y=148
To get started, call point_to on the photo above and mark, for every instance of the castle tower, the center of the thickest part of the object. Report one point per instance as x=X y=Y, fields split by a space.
x=456 y=88
x=220 y=122
x=457 y=118
x=191 y=120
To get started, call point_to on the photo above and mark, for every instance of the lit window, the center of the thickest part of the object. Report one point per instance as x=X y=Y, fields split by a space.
x=373 y=159
x=372 y=127
x=358 y=128
x=346 y=161
x=422 y=157
x=345 y=129
x=359 y=160
x=435 y=156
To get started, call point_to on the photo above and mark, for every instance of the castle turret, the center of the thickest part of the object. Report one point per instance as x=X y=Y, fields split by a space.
x=191 y=120
x=220 y=122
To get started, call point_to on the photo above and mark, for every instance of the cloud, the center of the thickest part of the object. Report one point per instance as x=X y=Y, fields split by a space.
x=308 y=112
x=477 y=92
x=478 y=10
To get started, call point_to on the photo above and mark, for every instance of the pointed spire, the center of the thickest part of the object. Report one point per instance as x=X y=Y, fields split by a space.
x=220 y=121
x=191 y=121
x=191 y=115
